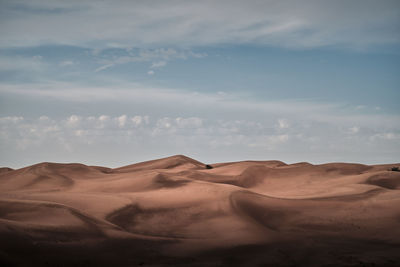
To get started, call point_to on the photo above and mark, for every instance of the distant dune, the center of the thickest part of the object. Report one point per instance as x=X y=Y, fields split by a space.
x=180 y=212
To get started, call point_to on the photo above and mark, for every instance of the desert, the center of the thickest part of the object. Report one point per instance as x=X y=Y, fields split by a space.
x=200 y=133
x=177 y=211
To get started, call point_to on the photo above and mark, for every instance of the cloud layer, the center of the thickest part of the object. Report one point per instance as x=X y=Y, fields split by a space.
x=290 y=23
x=132 y=137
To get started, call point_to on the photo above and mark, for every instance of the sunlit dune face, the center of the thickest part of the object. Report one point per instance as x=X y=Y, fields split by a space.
x=184 y=207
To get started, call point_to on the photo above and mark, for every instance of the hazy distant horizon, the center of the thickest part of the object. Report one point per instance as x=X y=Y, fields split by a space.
x=205 y=161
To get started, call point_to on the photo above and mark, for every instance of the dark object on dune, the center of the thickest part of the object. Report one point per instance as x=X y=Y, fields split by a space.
x=208 y=166
x=395 y=169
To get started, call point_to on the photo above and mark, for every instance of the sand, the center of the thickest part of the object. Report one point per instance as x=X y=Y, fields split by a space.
x=175 y=211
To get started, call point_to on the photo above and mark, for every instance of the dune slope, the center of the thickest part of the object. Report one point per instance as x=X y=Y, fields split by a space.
x=179 y=211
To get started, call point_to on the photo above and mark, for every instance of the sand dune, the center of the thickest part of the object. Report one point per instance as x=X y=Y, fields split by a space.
x=178 y=211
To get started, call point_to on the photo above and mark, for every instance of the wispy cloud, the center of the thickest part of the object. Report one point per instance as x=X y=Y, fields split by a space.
x=22 y=63
x=309 y=23
x=104 y=67
x=233 y=104
x=158 y=64
x=159 y=57
x=138 y=93
x=66 y=63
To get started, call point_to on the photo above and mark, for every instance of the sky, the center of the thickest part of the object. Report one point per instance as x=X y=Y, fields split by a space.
x=111 y=83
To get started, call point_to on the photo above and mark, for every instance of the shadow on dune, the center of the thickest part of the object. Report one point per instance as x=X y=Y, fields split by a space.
x=162 y=181
x=389 y=180
x=317 y=252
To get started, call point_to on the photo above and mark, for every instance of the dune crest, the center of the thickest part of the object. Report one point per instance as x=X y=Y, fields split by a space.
x=177 y=210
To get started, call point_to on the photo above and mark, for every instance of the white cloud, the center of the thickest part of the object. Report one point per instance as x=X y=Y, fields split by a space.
x=104 y=118
x=386 y=136
x=66 y=63
x=360 y=107
x=104 y=67
x=122 y=120
x=164 y=123
x=150 y=72
x=354 y=129
x=189 y=122
x=158 y=64
x=102 y=121
x=12 y=119
x=158 y=56
x=283 y=124
x=44 y=118
x=137 y=120
x=73 y=121
x=140 y=120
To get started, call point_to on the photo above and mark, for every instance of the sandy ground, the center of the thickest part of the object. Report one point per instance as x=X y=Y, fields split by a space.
x=175 y=211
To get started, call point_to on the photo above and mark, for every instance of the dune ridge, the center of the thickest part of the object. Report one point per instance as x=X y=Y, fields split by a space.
x=177 y=210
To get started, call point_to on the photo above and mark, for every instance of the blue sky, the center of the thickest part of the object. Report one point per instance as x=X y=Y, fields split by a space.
x=115 y=82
